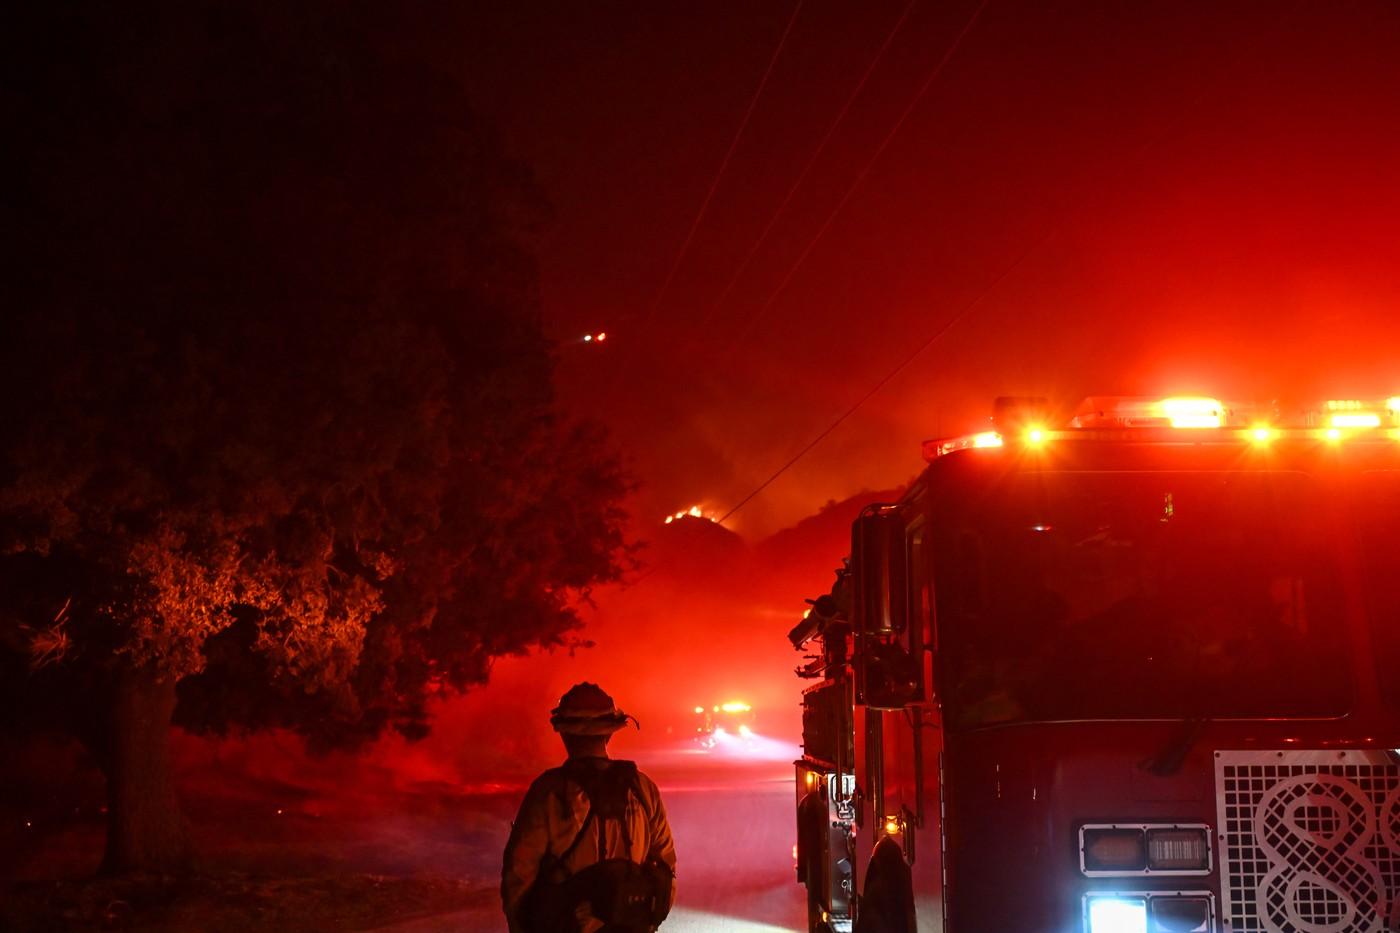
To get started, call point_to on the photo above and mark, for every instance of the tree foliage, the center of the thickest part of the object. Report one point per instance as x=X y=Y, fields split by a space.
x=277 y=405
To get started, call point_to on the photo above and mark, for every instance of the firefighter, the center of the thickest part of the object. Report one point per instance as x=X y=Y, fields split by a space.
x=590 y=850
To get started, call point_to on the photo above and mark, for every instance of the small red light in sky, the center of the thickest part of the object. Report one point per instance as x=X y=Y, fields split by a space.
x=601 y=337
x=587 y=338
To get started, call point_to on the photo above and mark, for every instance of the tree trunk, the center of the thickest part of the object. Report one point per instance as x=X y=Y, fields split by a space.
x=146 y=830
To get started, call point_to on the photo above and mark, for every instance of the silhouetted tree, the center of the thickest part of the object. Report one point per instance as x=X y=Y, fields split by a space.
x=277 y=421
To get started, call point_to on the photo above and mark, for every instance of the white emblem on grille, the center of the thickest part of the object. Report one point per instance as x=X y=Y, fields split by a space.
x=1310 y=841
x=1314 y=830
x=1390 y=831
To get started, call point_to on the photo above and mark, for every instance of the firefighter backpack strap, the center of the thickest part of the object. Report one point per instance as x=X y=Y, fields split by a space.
x=582 y=830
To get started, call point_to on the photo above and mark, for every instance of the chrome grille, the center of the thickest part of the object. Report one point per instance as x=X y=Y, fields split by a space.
x=1309 y=841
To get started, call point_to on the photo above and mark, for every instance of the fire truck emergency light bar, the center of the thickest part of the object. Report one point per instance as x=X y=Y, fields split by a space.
x=1026 y=421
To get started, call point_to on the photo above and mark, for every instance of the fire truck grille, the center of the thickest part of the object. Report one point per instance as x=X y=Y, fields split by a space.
x=1310 y=841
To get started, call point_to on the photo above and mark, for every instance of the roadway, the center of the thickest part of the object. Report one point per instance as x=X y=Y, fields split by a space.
x=732 y=816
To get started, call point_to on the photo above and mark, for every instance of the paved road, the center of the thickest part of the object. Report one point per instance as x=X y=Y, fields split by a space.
x=734 y=837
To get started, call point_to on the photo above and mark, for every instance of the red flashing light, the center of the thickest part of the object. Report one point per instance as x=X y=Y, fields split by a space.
x=1193 y=412
x=1174 y=412
x=1355 y=419
x=987 y=439
x=1022 y=422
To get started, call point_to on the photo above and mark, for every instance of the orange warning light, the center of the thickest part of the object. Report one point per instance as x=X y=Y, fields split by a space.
x=1193 y=412
x=1355 y=419
x=987 y=439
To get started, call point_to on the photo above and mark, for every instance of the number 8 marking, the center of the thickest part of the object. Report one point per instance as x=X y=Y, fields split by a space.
x=1314 y=829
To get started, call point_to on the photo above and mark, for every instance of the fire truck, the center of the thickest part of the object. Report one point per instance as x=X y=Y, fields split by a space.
x=1133 y=668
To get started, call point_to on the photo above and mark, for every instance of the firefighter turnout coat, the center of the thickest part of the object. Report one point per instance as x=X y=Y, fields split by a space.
x=551 y=818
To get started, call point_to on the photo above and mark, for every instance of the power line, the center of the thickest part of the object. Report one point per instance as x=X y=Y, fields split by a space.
x=899 y=368
x=807 y=168
x=1061 y=220
x=954 y=321
x=719 y=175
x=860 y=177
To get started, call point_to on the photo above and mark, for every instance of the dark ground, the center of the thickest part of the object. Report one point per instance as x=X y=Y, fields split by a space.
x=283 y=855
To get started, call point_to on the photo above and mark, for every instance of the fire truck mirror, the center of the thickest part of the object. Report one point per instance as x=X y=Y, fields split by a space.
x=880 y=566
x=889 y=672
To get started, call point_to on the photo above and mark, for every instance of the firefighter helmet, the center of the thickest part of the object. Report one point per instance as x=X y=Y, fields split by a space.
x=587 y=710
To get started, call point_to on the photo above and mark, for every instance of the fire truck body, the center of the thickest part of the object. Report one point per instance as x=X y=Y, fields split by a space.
x=1129 y=676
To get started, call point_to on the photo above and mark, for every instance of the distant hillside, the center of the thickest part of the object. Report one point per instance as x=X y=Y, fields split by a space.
x=689 y=544
x=820 y=540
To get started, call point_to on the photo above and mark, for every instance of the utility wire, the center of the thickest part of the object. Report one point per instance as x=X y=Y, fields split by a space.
x=807 y=168
x=714 y=184
x=1059 y=223
x=903 y=364
x=860 y=177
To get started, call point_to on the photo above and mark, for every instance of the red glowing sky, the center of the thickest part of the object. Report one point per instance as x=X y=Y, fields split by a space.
x=1189 y=198
x=1155 y=198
